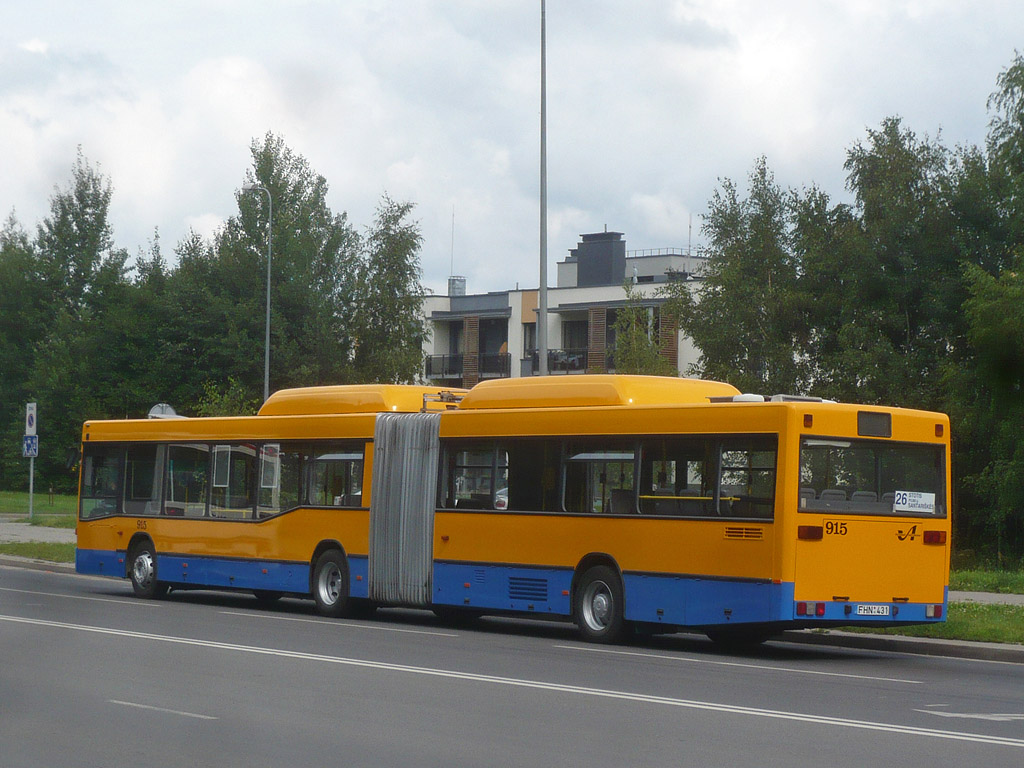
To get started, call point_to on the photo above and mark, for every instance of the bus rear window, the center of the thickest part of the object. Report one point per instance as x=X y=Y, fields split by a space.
x=872 y=477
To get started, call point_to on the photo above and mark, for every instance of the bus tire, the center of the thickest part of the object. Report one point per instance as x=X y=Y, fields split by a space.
x=598 y=606
x=142 y=571
x=330 y=584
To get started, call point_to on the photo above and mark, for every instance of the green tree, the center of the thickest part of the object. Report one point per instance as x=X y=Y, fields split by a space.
x=900 y=186
x=635 y=351
x=22 y=325
x=744 y=315
x=390 y=325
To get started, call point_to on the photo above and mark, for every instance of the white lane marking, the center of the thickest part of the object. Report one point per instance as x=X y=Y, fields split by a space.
x=136 y=601
x=161 y=709
x=335 y=623
x=995 y=717
x=576 y=690
x=765 y=667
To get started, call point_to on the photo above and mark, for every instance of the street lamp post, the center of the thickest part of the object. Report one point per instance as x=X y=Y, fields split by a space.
x=266 y=340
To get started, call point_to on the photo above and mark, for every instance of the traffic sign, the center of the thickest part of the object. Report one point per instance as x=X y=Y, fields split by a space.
x=30 y=447
x=30 y=418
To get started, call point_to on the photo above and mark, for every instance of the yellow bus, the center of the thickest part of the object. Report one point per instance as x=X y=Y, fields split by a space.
x=619 y=502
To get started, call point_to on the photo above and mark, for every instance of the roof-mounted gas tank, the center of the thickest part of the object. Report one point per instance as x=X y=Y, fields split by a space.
x=356 y=398
x=592 y=390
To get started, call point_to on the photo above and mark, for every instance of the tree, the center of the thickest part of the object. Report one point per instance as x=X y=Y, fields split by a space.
x=634 y=350
x=744 y=316
x=390 y=325
x=22 y=325
x=221 y=287
x=900 y=184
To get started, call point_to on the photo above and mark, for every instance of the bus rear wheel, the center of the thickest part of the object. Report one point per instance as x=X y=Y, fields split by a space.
x=598 y=606
x=142 y=571
x=330 y=584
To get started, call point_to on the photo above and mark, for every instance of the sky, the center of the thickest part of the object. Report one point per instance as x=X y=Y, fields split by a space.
x=650 y=104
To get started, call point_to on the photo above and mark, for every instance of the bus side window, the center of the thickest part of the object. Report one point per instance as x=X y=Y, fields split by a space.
x=747 y=479
x=102 y=481
x=188 y=470
x=675 y=480
x=144 y=466
x=599 y=479
x=335 y=476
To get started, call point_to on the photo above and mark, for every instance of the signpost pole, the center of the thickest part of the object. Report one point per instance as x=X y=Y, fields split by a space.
x=30 y=432
x=31 y=484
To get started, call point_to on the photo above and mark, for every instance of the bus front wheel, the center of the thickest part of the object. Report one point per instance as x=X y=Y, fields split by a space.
x=142 y=571
x=598 y=607
x=330 y=584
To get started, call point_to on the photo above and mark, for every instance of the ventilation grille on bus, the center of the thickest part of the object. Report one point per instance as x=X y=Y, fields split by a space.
x=739 y=532
x=523 y=588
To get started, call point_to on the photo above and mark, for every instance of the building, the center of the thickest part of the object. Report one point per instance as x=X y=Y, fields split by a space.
x=494 y=335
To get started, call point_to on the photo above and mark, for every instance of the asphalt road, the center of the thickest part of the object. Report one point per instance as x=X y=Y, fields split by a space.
x=91 y=676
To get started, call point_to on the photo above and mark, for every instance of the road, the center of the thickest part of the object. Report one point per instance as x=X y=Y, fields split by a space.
x=91 y=676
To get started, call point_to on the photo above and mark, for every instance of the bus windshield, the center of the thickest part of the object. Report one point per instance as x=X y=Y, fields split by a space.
x=872 y=477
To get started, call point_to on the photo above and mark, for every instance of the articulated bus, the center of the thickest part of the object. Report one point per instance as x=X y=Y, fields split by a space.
x=619 y=502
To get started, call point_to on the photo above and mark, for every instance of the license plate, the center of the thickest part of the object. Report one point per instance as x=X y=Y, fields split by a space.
x=872 y=610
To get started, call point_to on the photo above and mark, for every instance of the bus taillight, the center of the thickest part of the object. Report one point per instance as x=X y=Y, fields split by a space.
x=810 y=532
x=934 y=537
x=810 y=609
x=933 y=611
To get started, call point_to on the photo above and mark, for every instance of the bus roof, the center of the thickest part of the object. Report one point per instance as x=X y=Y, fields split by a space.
x=592 y=390
x=352 y=398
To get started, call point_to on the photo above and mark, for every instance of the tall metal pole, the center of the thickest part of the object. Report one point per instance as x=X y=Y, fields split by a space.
x=266 y=339
x=542 y=294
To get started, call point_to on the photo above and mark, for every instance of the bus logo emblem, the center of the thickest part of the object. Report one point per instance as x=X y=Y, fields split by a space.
x=904 y=535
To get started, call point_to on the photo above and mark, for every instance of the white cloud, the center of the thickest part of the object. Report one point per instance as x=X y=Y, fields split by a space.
x=649 y=104
x=35 y=45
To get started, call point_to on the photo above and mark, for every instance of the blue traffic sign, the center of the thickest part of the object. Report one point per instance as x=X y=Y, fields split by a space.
x=30 y=448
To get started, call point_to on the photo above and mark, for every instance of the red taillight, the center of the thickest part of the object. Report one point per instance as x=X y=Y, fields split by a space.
x=933 y=612
x=934 y=537
x=810 y=532
x=810 y=609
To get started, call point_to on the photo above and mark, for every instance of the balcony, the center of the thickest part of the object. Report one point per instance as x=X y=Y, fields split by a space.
x=444 y=366
x=561 y=361
x=495 y=366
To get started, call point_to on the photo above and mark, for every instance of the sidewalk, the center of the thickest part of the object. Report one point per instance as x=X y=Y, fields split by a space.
x=15 y=532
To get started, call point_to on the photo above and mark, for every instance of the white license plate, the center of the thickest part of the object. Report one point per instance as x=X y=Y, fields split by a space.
x=872 y=610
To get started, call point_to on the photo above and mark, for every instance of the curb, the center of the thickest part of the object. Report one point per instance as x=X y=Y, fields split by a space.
x=960 y=649
x=13 y=561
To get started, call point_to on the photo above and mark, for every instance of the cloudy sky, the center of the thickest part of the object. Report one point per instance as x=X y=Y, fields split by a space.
x=650 y=103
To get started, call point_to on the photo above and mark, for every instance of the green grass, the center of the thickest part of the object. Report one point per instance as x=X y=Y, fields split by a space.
x=976 y=622
x=37 y=550
x=43 y=505
x=981 y=580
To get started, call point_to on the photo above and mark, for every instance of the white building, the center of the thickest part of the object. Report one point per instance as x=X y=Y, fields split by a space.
x=494 y=335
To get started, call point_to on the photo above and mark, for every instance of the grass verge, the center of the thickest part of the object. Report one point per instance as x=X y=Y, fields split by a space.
x=980 y=580
x=38 y=550
x=43 y=504
x=976 y=622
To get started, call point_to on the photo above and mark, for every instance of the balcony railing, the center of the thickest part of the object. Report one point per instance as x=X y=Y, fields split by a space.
x=495 y=365
x=444 y=366
x=561 y=360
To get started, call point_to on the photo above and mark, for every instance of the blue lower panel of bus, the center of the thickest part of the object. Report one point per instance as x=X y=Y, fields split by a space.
x=655 y=598
x=503 y=587
x=269 y=575
x=695 y=602
x=97 y=562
